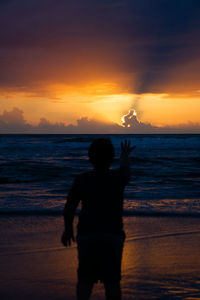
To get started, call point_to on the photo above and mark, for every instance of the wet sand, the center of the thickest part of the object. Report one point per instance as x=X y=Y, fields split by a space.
x=161 y=259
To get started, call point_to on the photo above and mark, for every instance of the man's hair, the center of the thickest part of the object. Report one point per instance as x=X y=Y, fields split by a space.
x=101 y=153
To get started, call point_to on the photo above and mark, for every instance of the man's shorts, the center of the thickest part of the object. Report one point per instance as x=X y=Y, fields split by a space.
x=100 y=257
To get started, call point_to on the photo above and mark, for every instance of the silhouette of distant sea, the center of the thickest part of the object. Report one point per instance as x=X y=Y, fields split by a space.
x=36 y=172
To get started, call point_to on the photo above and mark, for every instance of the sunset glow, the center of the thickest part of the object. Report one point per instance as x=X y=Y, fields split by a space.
x=65 y=73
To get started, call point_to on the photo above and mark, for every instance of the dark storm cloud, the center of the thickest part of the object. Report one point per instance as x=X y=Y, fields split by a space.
x=62 y=40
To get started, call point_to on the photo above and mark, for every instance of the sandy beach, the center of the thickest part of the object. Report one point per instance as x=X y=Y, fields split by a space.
x=160 y=260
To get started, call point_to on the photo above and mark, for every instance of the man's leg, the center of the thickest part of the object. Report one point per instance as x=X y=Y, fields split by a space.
x=84 y=289
x=113 y=291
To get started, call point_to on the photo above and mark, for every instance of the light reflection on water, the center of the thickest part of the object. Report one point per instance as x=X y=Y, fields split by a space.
x=160 y=259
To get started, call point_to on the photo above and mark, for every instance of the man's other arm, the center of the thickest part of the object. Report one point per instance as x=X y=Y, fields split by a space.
x=72 y=202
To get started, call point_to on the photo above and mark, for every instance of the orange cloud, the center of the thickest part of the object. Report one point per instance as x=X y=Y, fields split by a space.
x=14 y=122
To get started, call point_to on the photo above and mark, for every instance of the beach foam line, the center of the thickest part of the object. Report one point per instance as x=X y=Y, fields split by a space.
x=32 y=212
x=163 y=235
x=36 y=251
x=59 y=212
x=73 y=246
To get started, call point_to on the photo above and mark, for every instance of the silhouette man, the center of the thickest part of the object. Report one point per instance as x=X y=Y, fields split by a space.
x=100 y=235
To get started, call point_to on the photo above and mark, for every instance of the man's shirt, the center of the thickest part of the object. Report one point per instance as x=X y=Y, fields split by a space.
x=101 y=194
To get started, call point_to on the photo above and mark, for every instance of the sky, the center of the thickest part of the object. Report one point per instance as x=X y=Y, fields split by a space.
x=79 y=66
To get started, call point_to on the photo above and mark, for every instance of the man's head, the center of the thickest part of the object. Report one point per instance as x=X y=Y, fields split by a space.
x=101 y=153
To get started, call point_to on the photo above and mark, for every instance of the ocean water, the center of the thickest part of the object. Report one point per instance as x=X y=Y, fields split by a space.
x=36 y=172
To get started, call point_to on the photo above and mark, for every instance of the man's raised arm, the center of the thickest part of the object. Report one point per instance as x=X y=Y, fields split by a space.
x=126 y=150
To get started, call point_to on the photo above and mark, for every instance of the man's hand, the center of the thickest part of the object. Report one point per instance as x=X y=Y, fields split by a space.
x=67 y=237
x=126 y=150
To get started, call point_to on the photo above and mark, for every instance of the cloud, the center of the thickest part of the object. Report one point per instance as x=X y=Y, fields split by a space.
x=14 y=122
x=15 y=116
x=70 y=42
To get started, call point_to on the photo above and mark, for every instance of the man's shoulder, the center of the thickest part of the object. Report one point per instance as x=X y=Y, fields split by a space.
x=122 y=175
x=115 y=172
x=92 y=173
x=84 y=176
